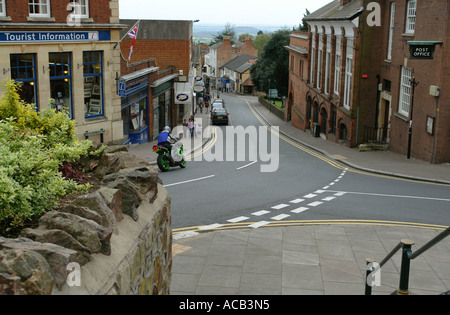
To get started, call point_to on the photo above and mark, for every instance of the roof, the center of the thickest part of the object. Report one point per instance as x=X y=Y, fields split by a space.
x=244 y=67
x=238 y=62
x=333 y=11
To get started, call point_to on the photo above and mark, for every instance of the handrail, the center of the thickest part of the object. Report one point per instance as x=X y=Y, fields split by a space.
x=407 y=256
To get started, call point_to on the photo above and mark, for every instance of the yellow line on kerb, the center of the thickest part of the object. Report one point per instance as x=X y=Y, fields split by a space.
x=333 y=163
x=317 y=155
x=246 y=225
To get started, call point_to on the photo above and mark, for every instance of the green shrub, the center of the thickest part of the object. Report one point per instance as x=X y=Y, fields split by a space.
x=32 y=148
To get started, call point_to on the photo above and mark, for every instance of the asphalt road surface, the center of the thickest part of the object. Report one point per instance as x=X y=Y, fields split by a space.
x=226 y=186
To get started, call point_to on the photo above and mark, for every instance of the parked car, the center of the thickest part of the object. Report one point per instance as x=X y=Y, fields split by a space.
x=217 y=106
x=220 y=116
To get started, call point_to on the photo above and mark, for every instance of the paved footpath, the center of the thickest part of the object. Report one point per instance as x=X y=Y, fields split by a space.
x=312 y=258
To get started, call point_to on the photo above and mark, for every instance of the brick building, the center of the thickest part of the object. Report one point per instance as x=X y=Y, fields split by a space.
x=157 y=81
x=64 y=52
x=410 y=31
x=221 y=53
x=298 y=79
x=358 y=84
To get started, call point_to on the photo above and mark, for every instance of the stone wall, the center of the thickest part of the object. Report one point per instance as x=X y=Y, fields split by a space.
x=114 y=240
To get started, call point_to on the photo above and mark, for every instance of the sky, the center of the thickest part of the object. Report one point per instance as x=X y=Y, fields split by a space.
x=235 y=12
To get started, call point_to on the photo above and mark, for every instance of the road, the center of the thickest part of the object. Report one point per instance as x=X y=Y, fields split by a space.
x=219 y=190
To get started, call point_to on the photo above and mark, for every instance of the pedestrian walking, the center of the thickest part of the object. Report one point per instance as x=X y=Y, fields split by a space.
x=199 y=130
x=191 y=126
x=207 y=107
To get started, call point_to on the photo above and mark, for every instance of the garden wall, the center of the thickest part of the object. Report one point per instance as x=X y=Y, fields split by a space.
x=115 y=240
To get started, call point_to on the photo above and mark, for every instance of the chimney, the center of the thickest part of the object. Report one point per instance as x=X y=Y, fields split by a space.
x=345 y=2
x=227 y=41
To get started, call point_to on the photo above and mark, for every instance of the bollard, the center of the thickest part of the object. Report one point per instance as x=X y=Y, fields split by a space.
x=404 y=271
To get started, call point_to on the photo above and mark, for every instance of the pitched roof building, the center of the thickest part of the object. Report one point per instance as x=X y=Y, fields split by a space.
x=222 y=52
x=363 y=61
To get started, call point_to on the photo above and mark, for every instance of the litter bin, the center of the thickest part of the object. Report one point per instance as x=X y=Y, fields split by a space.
x=316 y=130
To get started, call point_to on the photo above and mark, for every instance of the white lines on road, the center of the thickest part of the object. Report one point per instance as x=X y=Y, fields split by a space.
x=238 y=219
x=249 y=164
x=298 y=210
x=280 y=217
x=280 y=206
x=190 y=181
x=315 y=203
x=324 y=194
x=260 y=213
x=211 y=226
x=341 y=193
x=259 y=224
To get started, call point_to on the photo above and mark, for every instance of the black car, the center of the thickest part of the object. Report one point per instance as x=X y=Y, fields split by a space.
x=220 y=116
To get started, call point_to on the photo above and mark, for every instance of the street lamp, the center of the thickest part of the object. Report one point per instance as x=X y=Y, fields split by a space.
x=414 y=83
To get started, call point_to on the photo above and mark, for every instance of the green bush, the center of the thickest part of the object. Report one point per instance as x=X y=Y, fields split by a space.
x=32 y=148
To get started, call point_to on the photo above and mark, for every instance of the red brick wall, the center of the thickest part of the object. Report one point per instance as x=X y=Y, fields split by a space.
x=225 y=53
x=18 y=10
x=167 y=53
x=431 y=24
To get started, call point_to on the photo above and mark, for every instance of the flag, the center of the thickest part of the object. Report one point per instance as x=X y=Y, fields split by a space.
x=133 y=34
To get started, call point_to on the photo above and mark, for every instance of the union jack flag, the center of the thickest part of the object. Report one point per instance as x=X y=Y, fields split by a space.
x=133 y=34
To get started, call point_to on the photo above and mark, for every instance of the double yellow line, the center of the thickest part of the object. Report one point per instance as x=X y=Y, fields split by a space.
x=207 y=147
x=301 y=147
x=242 y=225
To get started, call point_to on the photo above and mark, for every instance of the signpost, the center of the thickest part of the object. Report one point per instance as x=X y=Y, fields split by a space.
x=422 y=49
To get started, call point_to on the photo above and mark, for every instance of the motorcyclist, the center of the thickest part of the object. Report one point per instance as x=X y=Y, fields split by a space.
x=164 y=138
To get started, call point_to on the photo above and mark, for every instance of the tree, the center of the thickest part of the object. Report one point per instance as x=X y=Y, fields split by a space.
x=303 y=26
x=228 y=31
x=272 y=69
x=260 y=41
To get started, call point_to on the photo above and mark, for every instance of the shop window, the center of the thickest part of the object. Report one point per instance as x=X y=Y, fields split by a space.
x=93 y=83
x=23 y=70
x=39 y=8
x=60 y=66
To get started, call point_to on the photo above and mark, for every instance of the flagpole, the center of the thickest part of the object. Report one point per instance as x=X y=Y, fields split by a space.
x=126 y=34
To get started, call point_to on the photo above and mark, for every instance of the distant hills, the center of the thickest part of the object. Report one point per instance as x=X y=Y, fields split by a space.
x=206 y=32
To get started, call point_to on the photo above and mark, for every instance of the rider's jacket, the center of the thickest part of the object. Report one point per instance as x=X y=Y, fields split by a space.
x=163 y=137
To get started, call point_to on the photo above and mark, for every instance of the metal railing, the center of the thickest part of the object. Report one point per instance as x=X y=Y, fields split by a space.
x=376 y=135
x=407 y=256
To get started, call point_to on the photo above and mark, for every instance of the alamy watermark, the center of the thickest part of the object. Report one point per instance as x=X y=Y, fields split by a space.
x=234 y=143
x=74 y=277
x=374 y=277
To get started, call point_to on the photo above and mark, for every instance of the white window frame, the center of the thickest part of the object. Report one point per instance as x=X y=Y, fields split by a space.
x=410 y=17
x=337 y=66
x=327 y=72
x=348 y=81
x=405 y=91
x=312 y=62
x=319 y=67
x=391 y=31
x=2 y=8
x=82 y=9
x=43 y=4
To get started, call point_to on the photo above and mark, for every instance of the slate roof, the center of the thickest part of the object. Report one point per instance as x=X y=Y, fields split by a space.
x=238 y=62
x=333 y=11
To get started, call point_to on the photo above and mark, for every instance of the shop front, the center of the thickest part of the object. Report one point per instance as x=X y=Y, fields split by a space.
x=70 y=71
x=134 y=92
x=164 y=111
